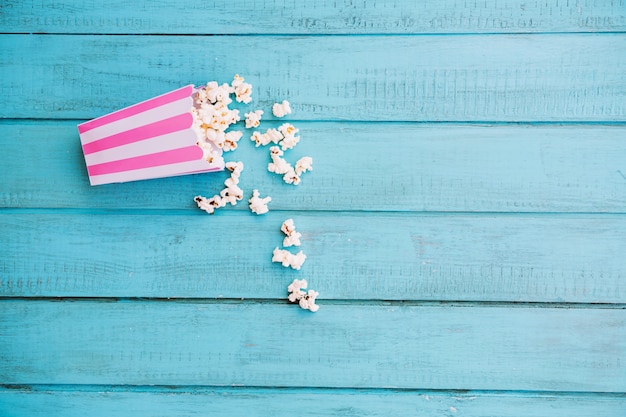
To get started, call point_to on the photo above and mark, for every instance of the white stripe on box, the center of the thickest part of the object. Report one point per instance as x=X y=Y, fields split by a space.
x=174 y=140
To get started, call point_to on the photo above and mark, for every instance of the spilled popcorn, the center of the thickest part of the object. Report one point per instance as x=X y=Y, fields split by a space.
x=289 y=139
x=242 y=90
x=263 y=139
x=253 y=119
x=212 y=118
x=303 y=165
x=208 y=204
x=229 y=195
x=230 y=140
x=292 y=237
x=279 y=165
x=258 y=205
x=306 y=300
x=285 y=136
x=281 y=109
x=288 y=259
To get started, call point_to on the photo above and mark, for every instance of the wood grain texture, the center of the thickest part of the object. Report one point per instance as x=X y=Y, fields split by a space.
x=399 y=167
x=351 y=256
x=112 y=402
x=267 y=345
x=372 y=78
x=312 y=17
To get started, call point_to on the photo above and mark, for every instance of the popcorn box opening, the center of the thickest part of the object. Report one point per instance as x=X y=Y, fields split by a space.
x=152 y=139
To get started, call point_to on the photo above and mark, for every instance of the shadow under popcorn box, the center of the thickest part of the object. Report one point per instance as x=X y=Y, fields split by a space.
x=151 y=139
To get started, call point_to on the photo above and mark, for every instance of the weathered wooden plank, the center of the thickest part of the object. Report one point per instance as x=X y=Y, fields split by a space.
x=192 y=402
x=378 y=78
x=363 y=166
x=311 y=17
x=351 y=255
x=281 y=345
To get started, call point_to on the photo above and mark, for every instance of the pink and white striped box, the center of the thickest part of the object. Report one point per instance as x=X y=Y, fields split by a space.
x=151 y=139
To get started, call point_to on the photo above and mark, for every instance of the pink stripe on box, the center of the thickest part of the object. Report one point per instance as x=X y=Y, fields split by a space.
x=137 y=108
x=162 y=127
x=174 y=140
x=144 y=118
x=189 y=153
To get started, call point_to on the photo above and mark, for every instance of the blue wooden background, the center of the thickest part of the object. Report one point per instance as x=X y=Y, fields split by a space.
x=464 y=223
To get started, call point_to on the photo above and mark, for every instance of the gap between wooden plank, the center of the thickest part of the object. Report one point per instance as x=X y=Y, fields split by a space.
x=329 y=302
x=239 y=211
x=313 y=35
x=281 y=402
x=260 y=390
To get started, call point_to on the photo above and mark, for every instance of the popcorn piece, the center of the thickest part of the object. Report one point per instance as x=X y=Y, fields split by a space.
x=291 y=177
x=215 y=137
x=237 y=81
x=278 y=164
x=288 y=259
x=289 y=139
x=230 y=140
x=290 y=174
x=263 y=139
x=253 y=119
x=259 y=205
x=293 y=240
x=295 y=290
x=229 y=198
x=235 y=168
x=303 y=165
x=289 y=142
x=287 y=129
x=241 y=89
x=279 y=255
x=274 y=135
x=219 y=93
x=200 y=97
x=281 y=109
x=209 y=152
x=297 y=260
x=275 y=152
x=209 y=204
x=220 y=117
x=231 y=190
x=288 y=227
x=292 y=237
x=231 y=182
x=308 y=301
x=304 y=299
x=258 y=139
x=231 y=194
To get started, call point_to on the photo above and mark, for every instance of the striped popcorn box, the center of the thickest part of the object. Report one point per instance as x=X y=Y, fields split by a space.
x=151 y=139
